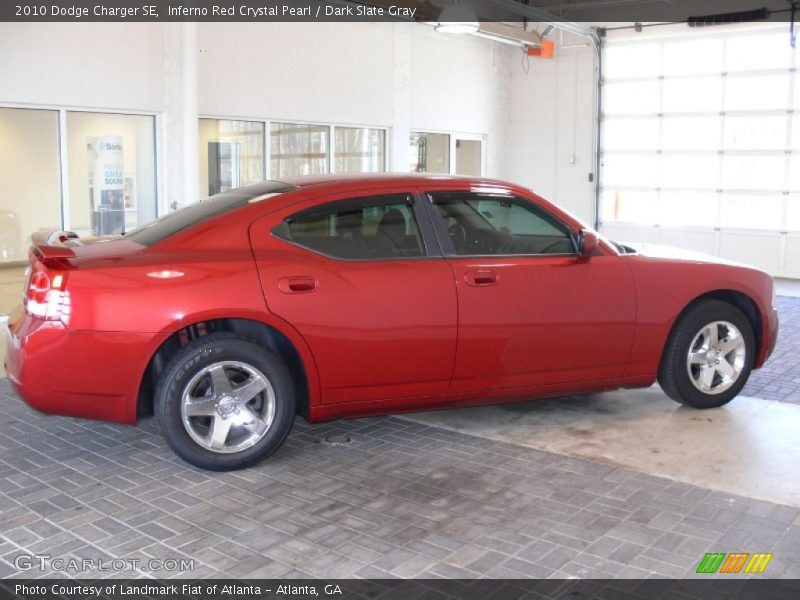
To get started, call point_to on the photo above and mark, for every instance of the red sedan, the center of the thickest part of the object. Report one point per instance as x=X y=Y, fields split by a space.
x=347 y=296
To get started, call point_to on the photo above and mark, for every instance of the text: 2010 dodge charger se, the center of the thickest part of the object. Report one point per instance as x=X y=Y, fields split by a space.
x=339 y=296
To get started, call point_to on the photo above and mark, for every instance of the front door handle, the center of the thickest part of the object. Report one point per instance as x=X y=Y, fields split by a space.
x=297 y=285
x=481 y=278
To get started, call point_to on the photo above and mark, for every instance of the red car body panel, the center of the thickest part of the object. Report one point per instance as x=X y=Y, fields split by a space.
x=374 y=336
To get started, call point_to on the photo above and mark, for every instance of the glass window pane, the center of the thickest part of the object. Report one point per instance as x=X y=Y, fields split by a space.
x=360 y=150
x=693 y=57
x=793 y=212
x=468 y=158
x=761 y=92
x=629 y=206
x=753 y=172
x=741 y=211
x=196 y=212
x=630 y=134
x=297 y=150
x=796 y=131
x=633 y=170
x=794 y=172
x=755 y=133
x=690 y=171
x=364 y=228
x=634 y=60
x=29 y=172
x=112 y=178
x=689 y=208
x=693 y=94
x=429 y=153
x=691 y=133
x=483 y=224
x=631 y=98
x=796 y=95
x=762 y=51
x=231 y=155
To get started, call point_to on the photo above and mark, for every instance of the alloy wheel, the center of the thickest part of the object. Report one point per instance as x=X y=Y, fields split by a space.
x=228 y=406
x=716 y=357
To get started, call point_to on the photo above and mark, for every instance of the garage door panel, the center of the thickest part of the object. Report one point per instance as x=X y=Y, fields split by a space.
x=762 y=250
x=631 y=233
x=689 y=208
x=792 y=266
x=725 y=173
x=701 y=240
x=752 y=211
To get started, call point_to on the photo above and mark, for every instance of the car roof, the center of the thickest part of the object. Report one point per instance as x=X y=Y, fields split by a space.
x=382 y=178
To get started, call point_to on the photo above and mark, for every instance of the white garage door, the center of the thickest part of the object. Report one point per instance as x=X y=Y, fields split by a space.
x=701 y=143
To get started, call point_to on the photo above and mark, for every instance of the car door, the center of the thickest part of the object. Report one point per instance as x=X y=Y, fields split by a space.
x=531 y=310
x=373 y=298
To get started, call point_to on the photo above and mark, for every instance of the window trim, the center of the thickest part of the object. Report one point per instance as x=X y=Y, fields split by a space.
x=448 y=250
x=430 y=242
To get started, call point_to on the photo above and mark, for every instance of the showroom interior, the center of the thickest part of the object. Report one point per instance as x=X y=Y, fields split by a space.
x=691 y=139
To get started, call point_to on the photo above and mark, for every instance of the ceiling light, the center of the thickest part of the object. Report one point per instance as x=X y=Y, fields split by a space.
x=457 y=18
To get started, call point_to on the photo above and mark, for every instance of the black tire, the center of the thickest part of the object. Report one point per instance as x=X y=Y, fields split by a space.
x=189 y=363
x=674 y=376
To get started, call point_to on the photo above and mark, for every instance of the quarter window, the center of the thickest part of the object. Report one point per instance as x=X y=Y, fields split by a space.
x=377 y=227
x=488 y=224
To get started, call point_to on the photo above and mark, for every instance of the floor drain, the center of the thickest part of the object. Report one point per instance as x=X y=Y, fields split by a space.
x=338 y=439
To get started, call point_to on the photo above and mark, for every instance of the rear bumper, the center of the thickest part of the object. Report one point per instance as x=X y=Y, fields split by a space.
x=95 y=375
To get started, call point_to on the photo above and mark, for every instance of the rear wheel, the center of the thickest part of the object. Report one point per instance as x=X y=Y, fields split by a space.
x=224 y=402
x=709 y=355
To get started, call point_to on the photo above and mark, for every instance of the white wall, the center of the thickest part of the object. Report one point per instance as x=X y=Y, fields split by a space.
x=298 y=71
x=92 y=65
x=553 y=120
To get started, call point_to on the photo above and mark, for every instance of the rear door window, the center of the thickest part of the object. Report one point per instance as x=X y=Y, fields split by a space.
x=375 y=227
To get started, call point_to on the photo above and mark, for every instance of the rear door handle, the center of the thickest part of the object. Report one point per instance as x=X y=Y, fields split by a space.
x=297 y=285
x=481 y=278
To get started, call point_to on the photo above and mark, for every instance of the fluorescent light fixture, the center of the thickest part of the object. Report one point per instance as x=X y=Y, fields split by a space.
x=457 y=18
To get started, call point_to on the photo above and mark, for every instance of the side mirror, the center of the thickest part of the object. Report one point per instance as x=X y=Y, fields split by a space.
x=587 y=242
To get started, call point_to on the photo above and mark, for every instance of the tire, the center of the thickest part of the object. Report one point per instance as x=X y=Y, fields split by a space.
x=717 y=372
x=224 y=402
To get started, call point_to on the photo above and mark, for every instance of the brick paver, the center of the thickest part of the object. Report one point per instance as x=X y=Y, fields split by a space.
x=779 y=378
x=402 y=499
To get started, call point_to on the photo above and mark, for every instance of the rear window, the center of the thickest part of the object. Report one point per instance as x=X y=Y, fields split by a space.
x=173 y=222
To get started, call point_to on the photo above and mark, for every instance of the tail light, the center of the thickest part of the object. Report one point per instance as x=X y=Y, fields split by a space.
x=45 y=293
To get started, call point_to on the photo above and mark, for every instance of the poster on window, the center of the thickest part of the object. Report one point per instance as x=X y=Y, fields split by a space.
x=129 y=191
x=107 y=186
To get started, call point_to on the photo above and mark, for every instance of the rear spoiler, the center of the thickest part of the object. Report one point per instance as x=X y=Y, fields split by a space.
x=54 y=244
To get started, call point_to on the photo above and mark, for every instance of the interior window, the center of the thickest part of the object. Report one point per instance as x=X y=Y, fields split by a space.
x=486 y=224
x=365 y=228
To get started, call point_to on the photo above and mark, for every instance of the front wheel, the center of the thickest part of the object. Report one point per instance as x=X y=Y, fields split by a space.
x=709 y=355
x=224 y=402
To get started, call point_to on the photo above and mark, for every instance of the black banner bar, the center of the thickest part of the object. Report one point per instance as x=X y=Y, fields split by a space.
x=399 y=589
x=379 y=10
